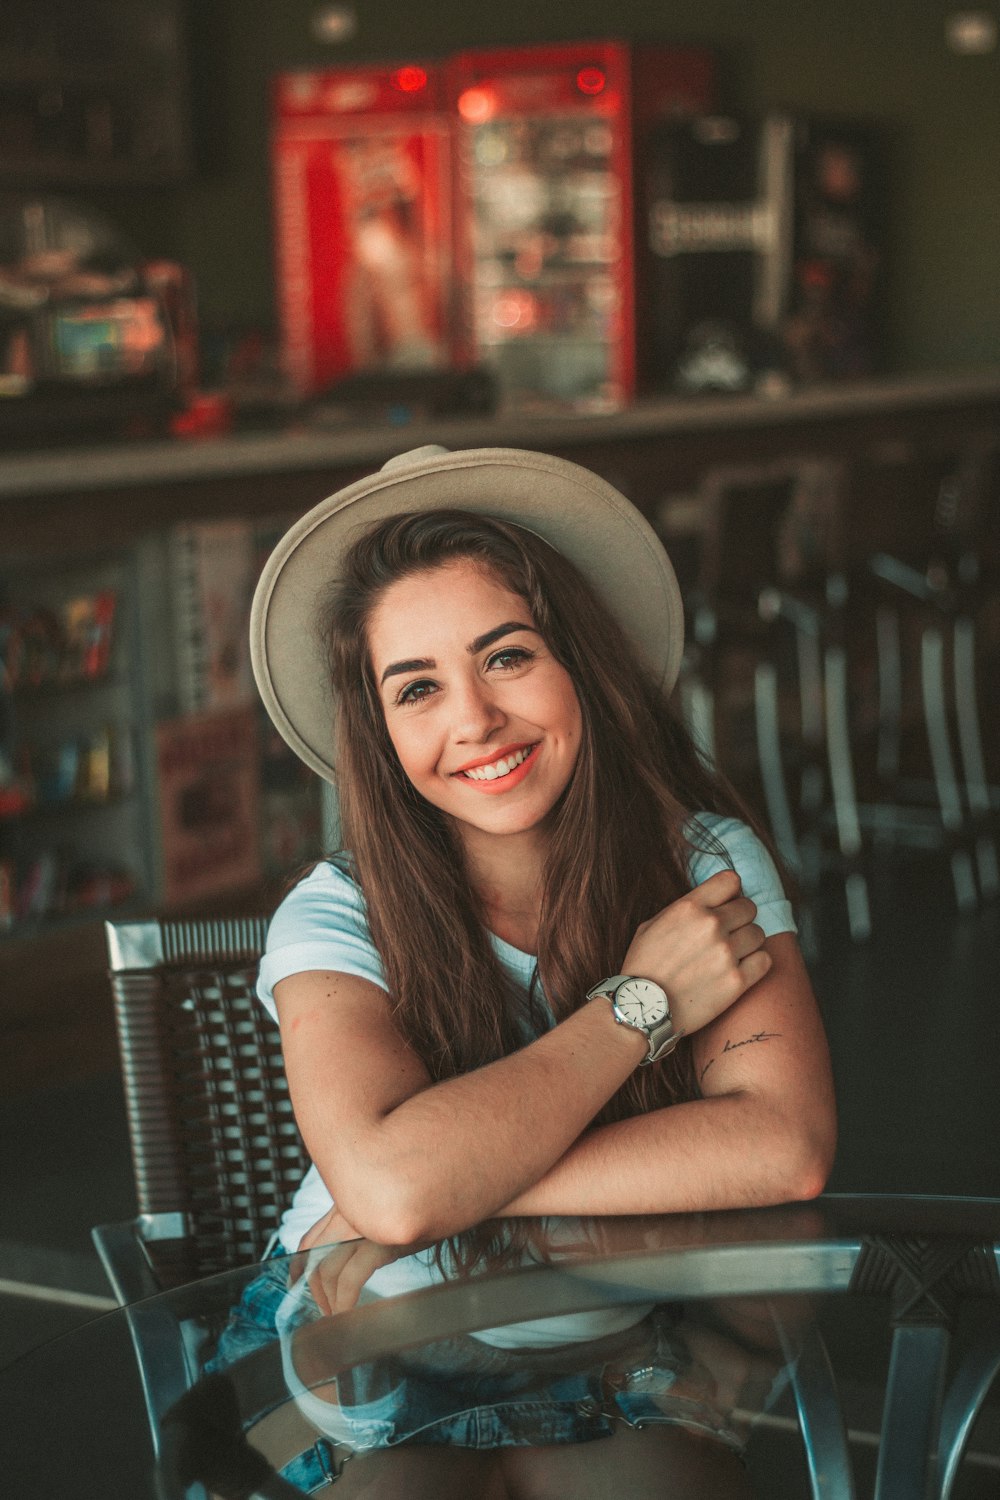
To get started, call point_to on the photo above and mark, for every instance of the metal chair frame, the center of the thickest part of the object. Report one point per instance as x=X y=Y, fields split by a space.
x=215 y=1148
x=930 y=580
x=748 y=594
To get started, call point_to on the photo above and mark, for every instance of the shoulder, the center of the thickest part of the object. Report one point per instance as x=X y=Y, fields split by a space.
x=327 y=893
x=320 y=924
x=719 y=843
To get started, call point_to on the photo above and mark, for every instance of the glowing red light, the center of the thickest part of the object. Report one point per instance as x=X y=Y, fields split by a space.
x=409 y=80
x=477 y=105
x=591 y=81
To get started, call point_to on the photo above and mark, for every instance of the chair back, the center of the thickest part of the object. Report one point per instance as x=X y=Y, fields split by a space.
x=751 y=530
x=216 y=1151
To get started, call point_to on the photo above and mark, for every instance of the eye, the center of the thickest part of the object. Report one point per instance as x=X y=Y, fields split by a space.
x=414 y=692
x=509 y=658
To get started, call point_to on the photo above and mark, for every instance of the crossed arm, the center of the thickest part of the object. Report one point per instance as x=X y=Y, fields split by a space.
x=763 y=1132
x=407 y=1160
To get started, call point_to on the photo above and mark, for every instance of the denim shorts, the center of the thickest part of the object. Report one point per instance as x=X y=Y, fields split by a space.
x=466 y=1393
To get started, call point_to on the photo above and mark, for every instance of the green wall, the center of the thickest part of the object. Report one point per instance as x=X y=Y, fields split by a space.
x=884 y=61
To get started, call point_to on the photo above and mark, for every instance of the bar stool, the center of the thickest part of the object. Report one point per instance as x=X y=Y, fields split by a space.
x=909 y=570
x=763 y=635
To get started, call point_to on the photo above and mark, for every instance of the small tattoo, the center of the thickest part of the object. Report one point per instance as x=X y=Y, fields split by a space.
x=758 y=1036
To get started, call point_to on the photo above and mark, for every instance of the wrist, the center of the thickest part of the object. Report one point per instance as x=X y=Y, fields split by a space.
x=628 y=1041
x=642 y=1006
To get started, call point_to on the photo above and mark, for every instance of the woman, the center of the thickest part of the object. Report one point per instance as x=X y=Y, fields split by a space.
x=557 y=974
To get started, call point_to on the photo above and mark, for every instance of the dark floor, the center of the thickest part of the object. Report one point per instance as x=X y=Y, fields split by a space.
x=914 y=1024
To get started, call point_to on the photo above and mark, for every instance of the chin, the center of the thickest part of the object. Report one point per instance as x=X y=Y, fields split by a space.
x=503 y=824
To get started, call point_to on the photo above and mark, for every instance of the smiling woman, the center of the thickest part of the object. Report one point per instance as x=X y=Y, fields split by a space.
x=523 y=814
x=471 y=720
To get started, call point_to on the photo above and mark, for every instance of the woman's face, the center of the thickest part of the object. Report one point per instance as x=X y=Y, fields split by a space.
x=485 y=721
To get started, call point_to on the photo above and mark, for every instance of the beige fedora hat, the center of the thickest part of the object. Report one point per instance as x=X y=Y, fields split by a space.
x=579 y=514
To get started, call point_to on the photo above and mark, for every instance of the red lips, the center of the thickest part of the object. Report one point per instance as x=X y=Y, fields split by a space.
x=491 y=760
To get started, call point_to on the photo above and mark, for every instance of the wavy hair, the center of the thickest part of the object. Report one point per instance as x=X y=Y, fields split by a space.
x=621 y=834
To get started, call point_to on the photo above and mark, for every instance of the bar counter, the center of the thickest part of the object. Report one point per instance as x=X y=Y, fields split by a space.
x=653 y=447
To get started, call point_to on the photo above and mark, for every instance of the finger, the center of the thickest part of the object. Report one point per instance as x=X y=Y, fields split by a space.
x=746 y=940
x=336 y=1276
x=323 y=1278
x=297 y=1263
x=321 y=1297
x=736 y=913
x=754 y=967
x=719 y=888
x=351 y=1282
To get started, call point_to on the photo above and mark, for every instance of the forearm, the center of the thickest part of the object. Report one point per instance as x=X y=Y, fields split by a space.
x=729 y=1151
x=457 y=1152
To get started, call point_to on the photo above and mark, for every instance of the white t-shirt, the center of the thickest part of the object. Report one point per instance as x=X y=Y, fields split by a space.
x=321 y=924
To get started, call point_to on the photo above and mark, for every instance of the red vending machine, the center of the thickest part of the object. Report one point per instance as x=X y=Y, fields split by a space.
x=362 y=198
x=549 y=140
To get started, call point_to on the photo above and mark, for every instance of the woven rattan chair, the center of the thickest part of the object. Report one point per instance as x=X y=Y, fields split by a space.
x=215 y=1148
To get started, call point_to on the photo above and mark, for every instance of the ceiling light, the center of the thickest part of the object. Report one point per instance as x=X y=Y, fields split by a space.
x=971 y=32
x=334 y=23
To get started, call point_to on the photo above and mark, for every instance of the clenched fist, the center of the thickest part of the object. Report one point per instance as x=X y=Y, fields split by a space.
x=705 y=950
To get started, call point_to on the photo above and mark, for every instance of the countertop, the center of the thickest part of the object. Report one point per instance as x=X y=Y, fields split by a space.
x=103 y=467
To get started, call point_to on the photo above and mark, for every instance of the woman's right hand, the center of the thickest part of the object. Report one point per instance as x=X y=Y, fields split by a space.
x=704 y=949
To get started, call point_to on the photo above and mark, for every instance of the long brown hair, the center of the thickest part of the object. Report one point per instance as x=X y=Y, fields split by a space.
x=621 y=835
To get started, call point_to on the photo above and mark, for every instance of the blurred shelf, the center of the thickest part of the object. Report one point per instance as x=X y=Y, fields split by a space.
x=158 y=461
x=40 y=811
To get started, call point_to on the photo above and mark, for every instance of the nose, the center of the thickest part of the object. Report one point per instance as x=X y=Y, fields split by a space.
x=477 y=714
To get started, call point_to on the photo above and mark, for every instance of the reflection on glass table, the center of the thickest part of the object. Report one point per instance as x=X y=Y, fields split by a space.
x=719 y=1354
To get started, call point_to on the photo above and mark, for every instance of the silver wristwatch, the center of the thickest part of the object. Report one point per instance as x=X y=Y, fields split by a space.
x=643 y=1005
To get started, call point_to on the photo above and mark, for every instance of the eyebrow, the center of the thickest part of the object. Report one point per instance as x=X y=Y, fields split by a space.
x=427 y=663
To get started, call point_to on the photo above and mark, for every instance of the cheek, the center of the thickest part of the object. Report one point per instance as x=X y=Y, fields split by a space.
x=412 y=748
x=570 y=714
x=577 y=735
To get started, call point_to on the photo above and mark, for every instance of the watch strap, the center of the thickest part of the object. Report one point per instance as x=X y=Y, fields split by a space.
x=662 y=1037
x=607 y=987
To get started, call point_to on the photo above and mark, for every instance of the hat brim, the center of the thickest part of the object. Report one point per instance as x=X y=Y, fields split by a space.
x=578 y=513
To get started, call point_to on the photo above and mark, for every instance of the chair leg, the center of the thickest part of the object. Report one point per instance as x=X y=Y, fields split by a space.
x=779 y=808
x=970 y=741
x=907 y=1462
x=810 y=665
x=890 y=694
x=969 y=1388
x=943 y=764
x=821 y=1416
x=845 y=799
x=812 y=784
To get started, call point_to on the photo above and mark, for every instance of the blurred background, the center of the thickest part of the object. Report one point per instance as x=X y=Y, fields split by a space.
x=740 y=258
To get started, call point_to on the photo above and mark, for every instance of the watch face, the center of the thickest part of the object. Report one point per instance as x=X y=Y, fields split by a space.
x=641 y=1002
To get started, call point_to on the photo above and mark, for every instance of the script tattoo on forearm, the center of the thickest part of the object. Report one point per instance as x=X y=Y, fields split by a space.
x=758 y=1036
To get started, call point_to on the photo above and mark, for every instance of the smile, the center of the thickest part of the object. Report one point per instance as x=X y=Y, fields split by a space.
x=515 y=765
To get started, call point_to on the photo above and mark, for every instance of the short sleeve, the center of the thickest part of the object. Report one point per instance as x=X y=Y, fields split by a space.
x=321 y=924
x=752 y=863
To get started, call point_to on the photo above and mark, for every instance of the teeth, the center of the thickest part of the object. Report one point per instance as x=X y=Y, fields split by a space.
x=500 y=767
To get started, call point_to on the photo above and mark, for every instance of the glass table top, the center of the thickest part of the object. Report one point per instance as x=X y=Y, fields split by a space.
x=838 y=1348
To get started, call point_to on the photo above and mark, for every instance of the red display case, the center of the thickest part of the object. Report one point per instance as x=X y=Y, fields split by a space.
x=550 y=261
x=361 y=163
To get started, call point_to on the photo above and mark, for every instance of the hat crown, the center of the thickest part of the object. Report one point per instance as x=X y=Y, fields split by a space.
x=415 y=456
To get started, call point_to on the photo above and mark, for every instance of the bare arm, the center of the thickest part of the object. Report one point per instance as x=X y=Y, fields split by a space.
x=406 y=1160
x=764 y=1132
